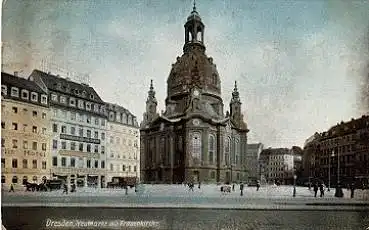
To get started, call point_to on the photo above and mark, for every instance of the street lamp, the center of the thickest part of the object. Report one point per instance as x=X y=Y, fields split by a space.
x=338 y=192
x=294 y=185
x=329 y=171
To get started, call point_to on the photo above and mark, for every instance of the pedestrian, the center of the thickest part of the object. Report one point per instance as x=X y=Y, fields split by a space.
x=11 y=187
x=315 y=189
x=352 y=190
x=233 y=187
x=65 y=190
x=199 y=184
x=241 y=188
x=321 y=187
x=257 y=186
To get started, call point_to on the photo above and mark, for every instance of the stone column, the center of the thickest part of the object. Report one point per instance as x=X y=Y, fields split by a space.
x=171 y=159
x=85 y=181
x=99 y=181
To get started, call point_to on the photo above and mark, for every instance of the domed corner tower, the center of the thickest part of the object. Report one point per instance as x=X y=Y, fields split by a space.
x=194 y=77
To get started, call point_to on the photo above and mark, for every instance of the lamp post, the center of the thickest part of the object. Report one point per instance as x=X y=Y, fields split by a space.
x=338 y=192
x=329 y=171
x=294 y=185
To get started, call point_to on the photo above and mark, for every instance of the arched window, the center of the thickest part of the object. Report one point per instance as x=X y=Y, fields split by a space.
x=124 y=118
x=3 y=179
x=227 y=150
x=237 y=152
x=25 y=179
x=15 y=179
x=212 y=149
x=196 y=145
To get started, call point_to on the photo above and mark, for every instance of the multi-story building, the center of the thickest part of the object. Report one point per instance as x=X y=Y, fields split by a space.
x=279 y=164
x=193 y=140
x=25 y=131
x=252 y=161
x=79 y=128
x=348 y=142
x=122 y=146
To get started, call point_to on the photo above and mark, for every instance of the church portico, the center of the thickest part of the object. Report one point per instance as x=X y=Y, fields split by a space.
x=193 y=140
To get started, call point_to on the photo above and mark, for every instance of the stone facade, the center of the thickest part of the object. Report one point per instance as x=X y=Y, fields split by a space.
x=252 y=161
x=192 y=140
x=25 y=132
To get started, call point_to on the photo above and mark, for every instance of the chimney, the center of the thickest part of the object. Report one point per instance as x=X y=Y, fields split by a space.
x=16 y=73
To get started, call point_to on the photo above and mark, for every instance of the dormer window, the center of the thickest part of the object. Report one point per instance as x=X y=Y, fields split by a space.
x=72 y=101
x=24 y=94
x=84 y=93
x=88 y=106
x=63 y=99
x=54 y=97
x=96 y=108
x=4 y=90
x=59 y=85
x=80 y=104
x=44 y=99
x=34 y=96
x=14 y=92
x=118 y=116
x=111 y=116
x=91 y=96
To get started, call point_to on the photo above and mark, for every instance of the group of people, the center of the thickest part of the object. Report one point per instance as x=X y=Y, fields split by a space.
x=319 y=187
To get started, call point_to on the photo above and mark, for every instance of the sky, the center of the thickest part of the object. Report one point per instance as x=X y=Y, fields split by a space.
x=301 y=66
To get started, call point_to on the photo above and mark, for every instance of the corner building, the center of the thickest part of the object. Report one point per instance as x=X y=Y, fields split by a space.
x=25 y=132
x=122 y=146
x=192 y=140
x=78 y=124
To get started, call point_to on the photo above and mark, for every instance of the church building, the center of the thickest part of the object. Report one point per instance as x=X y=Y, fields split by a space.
x=193 y=140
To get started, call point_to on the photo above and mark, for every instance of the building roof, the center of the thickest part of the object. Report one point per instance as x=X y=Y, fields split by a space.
x=118 y=108
x=19 y=82
x=66 y=86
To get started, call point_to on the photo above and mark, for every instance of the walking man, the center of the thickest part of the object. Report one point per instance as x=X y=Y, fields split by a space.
x=241 y=188
x=321 y=187
x=257 y=186
x=65 y=190
x=315 y=189
x=352 y=187
x=11 y=188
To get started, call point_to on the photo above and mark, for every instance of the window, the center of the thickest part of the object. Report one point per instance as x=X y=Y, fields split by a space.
x=96 y=121
x=2 y=142
x=211 y=149
x=43 y=115
x=72 y=162
x=14 y=92
x=102 y=136
x=111 y=139
x=15 y=143
x=34 y=113
x=34 y=96
x=80 y=148
x=124 y=167
x=15 y=126
x=43 y=99
x=43 y=164
x=64 y=145
x=3 y=179
x=102 y=122
x=34 y=164
x=25 y=163
x=88 y=148
x=88 y=163
x=55 y=128
x=4 y=90
x=34 y=145
x=55 y=144
x=227 y=150
x=129 y=168
x=236 y=160
x=96 y=135
x=89 y=133
x=73 y=146
x=34 y=129
x=25 y=144
x=102 y=164
x=64 y=129
x=96 y=164
x=196 y=145
x=72 y=102
x=102 y=149
x=43 y=130
x=135 y=168
x=81 y=132
x=63 y=99
x=63 y=161
x=14 y=163
x=25 y=94
x=96 y=148
x=72 y=130
x=55 y=161
x=54 y=97
x=80 y=104
x=88 y=106
x=3 y=125
x=73 y=116
x=15 y=180
x=81 y=118
x=15 y=110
